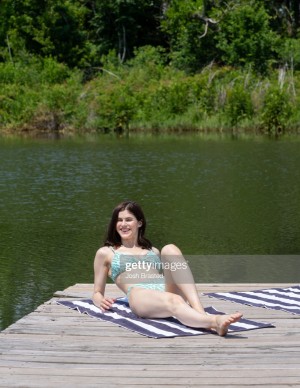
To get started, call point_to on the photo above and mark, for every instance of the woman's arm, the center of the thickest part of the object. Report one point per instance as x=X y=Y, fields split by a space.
x=101 y=268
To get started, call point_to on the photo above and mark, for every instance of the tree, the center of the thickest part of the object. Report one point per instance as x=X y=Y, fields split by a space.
x=245 y=37
x=285 y=16
x=46 y=28
x=79 y=32
x=190 y=30
x=123 y=25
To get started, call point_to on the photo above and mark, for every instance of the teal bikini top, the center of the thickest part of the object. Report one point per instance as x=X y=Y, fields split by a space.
x=122 y=262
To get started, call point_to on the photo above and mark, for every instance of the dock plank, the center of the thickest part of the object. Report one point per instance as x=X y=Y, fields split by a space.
x=55 y=346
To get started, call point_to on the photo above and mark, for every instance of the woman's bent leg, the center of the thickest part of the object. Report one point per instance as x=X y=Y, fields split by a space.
x=157 y=304
x=178 y=276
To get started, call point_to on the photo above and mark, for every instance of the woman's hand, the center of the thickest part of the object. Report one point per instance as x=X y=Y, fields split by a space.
x=106 y=304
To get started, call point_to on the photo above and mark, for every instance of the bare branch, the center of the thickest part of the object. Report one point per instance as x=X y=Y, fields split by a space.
x=122 y=43
x=208 y=21
x=107 y=71
x=205 y=31
x=9 y=50
x=198 y=16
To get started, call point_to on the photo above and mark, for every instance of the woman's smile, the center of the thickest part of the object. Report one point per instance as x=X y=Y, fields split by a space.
x=127 y=224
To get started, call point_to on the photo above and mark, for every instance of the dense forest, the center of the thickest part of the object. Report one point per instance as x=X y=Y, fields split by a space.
x=79 y=66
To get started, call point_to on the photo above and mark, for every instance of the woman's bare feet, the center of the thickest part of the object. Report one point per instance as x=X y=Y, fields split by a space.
x=223 y=321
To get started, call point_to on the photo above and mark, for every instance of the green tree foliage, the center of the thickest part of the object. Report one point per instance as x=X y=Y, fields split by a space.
x=194 y=32
x=285 y=16
x=149 y=64
x=245 y=38
x=230 y=32
x=190 y=33
x=78 y=32
x=123 y=25
x=46 y=28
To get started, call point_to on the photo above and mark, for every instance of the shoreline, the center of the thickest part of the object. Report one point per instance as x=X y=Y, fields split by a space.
x=219 y=133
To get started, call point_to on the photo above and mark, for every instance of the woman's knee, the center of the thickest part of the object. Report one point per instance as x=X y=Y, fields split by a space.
x=170 y=249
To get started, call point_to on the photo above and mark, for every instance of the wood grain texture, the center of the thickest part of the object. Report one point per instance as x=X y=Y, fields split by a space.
x=55 y=346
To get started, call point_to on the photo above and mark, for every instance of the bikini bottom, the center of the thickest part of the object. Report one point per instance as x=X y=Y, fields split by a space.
x=147 y=286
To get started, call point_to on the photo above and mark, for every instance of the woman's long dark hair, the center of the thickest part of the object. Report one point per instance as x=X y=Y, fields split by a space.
x=113 y=238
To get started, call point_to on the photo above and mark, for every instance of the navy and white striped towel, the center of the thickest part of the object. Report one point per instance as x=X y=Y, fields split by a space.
x=285 y=299
x=121 y=315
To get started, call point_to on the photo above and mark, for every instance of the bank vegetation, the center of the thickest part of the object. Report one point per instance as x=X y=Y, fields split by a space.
x=153 y=67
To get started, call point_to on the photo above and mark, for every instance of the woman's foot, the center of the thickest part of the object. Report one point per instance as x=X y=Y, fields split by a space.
x=223 y=321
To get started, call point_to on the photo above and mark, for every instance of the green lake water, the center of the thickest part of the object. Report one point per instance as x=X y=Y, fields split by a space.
x=232 y=206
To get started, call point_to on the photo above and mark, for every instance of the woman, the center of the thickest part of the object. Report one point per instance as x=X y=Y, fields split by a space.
x=158 y=285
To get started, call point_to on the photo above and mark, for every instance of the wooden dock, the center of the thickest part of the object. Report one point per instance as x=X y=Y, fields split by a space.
x=58 y=347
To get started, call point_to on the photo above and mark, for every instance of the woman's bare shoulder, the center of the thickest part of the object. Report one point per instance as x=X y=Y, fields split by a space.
x=104 y=253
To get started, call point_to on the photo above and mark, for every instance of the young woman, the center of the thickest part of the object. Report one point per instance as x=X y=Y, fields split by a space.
x=158 y=284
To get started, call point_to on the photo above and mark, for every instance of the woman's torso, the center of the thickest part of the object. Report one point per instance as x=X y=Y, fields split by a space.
x=128 y=268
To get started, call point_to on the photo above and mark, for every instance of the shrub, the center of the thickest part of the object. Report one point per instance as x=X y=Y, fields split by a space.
x=276 y=110
x=238 y=105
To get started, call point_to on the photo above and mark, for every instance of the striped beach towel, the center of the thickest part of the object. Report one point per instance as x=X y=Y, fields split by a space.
x=121 y=315
x=285 y=299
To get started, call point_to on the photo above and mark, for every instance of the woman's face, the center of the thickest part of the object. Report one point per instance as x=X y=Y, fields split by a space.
x=127 y=225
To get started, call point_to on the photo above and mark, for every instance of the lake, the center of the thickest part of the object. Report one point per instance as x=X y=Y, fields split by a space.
x=232 y=206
